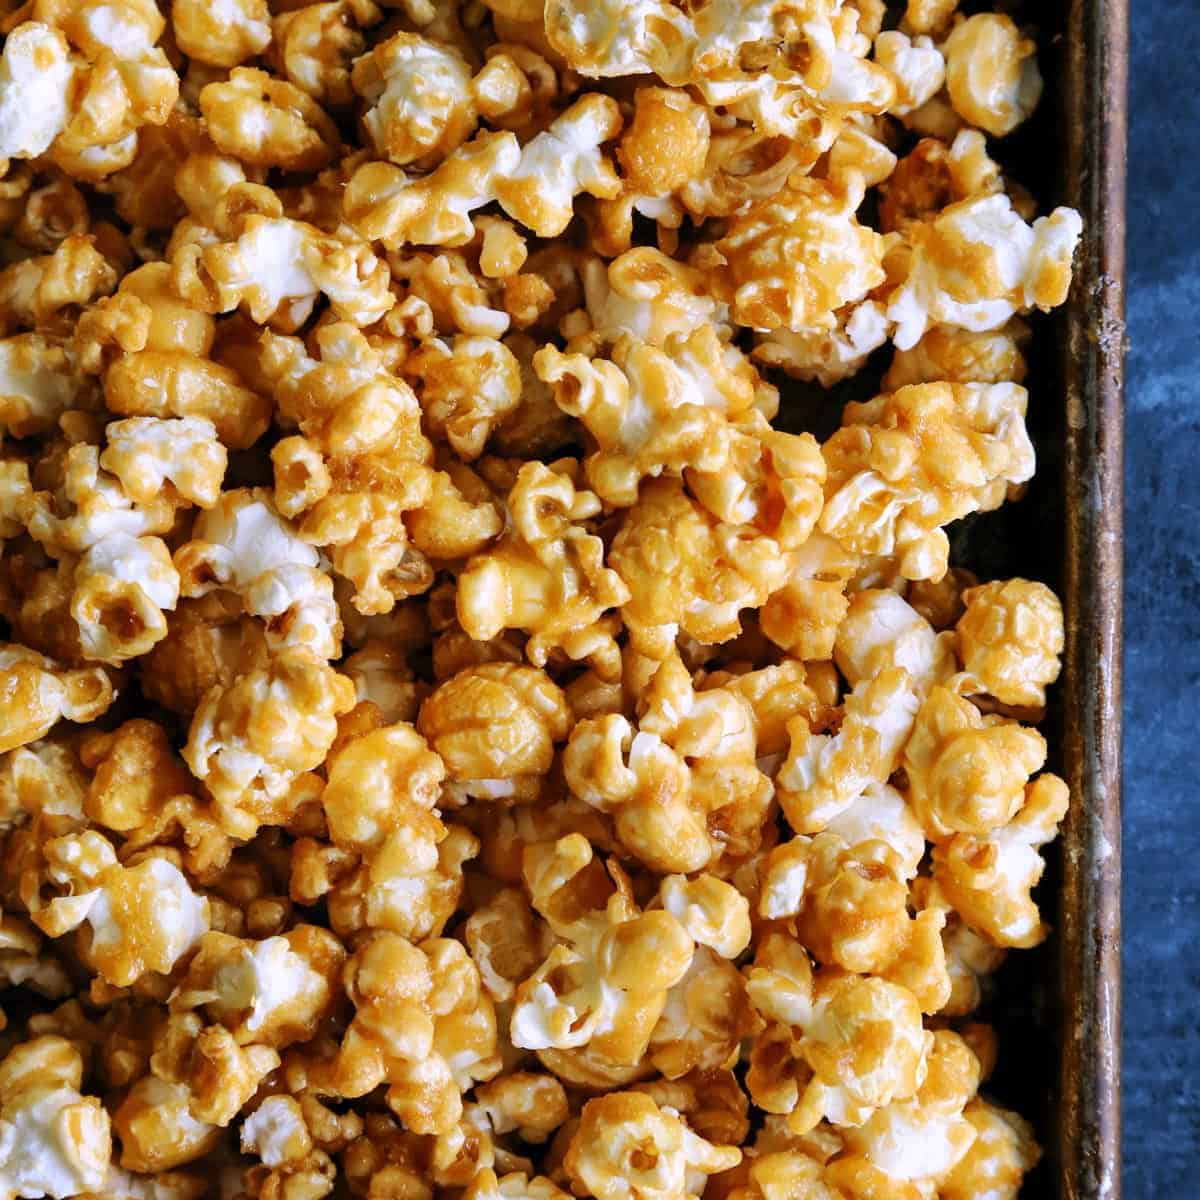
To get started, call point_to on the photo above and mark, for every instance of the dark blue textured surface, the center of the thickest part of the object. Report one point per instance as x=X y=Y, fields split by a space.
x=1162 y=609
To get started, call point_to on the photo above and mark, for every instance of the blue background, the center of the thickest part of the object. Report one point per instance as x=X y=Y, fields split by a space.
x=1162 y=609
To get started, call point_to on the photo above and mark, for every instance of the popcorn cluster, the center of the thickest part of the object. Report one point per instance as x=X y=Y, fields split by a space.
x=455 y=739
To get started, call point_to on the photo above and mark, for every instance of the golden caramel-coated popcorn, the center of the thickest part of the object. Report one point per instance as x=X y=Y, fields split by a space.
x=420 y=98
x=37 y=384
x=688 y=572
x=987 y=879
x=922 y=1140
x=221 y=35
x=705 y=1019
x=998 y=1159
x=36 y=693
x=824 y=773
x=267 y=122
x=35 y=76
x=53 y=1140
x=467 y=388
x=977 y=263
x=546 y=575
x=250 y=740
x=1010 y=640
x=209 y=641
x=652 y=410
x=181 y=456
x=683 y=783
x=855 y=915
x=905 y=464
x=967 y=773
x=496 y=726
x=316 y=45
x=141 y=918
x=960 y=356
x=992 y=75
x=276 y=269
x=243 y=545
x=422 y=1025
x=561 y=163
x=427 y=619
x=627 y=1148
x=217 y=1075
x=156 y=1129
x=793 y=260
x=384 y=204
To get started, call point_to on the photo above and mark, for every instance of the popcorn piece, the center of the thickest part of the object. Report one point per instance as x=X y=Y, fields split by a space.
x=275 y=1132
x=988 y=879
x=422 y=1025
x=992 y=74
x=383 y=204
x=602 y=988
x=823 y=774
x=243 y=545
x=142 y=918
x=38 y=693
x=840 y=1071
x=317 y=44
x=149 y=455
x=976 y=263
x=855 y=915
x=627 y=1148
x=686 y=571
x=644 y=293
x=996 y=1162
x=967 y=773
x=157 y=1130
x=35 y=82
x=271 y=992
x=122 y=586
x=45 y=292
x=905 y=464
x=804 y=615
x=533 y=1106
x=917 y=66
x=666 y=144
x=37 y=384
x=218 y=1077
x=221 y=35
x=960 y=356
x=277 y=268
x=705 y=1019
x=773 y=482
x=496 y=726
x=53 y=1140
x=268 y=122
x=250 y=740
x=468 y=388
x=410 y=878
x=1010 y=640
x=652 y=410
x=923 y=1139
x=559 y=164
x=880 y=630
x=209 y=641
x=546 y=575
x=712 y=912
x=794 y=259
x=683 y=784
x=827 y=356
x=164 y=370
x=421 y=103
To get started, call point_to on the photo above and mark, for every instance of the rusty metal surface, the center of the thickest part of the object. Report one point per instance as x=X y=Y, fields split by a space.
x=1092 y=112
